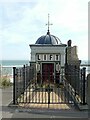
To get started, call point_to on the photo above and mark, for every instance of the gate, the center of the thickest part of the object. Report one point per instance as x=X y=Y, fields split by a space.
x=27 y=90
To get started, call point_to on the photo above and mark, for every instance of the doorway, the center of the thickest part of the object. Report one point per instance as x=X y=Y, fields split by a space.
x=48 y=72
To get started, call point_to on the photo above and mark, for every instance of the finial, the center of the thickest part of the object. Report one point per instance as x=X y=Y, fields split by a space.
x=48 y=25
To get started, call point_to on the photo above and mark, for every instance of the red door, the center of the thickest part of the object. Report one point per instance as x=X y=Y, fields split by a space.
x=48 y=72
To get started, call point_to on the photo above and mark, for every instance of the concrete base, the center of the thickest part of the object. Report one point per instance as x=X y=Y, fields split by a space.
x=83 y=107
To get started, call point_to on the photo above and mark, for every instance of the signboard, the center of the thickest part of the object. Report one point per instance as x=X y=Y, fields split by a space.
x=48 y=57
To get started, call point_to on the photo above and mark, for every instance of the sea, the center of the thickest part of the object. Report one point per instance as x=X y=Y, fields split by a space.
x=14 y=62
x=6 y=66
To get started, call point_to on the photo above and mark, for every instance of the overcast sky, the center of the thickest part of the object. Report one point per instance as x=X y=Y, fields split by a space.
x=23 y=22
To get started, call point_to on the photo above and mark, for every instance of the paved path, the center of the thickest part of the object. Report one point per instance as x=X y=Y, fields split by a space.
x=14 y=112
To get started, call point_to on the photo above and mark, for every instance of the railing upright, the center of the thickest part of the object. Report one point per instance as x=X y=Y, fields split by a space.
x=14 y=90
x=84 y=76
x=24 y=77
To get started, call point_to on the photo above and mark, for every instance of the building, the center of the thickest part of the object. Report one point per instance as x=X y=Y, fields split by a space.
x=54 y=75
x=48 y=55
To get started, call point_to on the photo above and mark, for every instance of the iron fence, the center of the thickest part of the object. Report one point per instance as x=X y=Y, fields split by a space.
x=68 y=89
x=22 y=77
x=48 y=91
x=76 y=77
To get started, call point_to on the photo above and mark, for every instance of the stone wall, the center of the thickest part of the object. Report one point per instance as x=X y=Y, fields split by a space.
x=72 y=66
x=72 y=56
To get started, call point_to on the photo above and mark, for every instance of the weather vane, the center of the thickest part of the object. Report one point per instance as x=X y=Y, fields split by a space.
x=48 y=24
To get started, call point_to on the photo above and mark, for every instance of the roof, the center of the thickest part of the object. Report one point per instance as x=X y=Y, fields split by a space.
x=48 y=39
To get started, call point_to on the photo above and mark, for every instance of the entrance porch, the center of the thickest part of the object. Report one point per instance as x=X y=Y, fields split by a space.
x=48 y=73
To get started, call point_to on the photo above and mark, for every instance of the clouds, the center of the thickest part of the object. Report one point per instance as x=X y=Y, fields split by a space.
x=24 y=21
x=73 y=16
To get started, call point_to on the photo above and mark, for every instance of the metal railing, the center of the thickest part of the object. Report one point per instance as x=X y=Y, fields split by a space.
x=70 y=88
x=22 y=78
x=76 y=79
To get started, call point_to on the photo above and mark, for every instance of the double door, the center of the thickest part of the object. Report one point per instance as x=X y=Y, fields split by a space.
x=48 y=72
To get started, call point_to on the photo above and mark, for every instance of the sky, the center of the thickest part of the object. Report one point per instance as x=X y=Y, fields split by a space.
x=23 y=22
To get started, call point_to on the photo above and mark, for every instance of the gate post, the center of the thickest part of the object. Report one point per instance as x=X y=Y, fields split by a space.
x=48 y=87
x=24 y=82
x=48 y=95
x=88 y=93
x=84 y=75
x=14 y=90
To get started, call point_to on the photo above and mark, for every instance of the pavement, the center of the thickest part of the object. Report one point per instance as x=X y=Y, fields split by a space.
x=19 y=112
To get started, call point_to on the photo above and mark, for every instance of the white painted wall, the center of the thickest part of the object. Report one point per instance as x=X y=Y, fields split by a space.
x=47 y=50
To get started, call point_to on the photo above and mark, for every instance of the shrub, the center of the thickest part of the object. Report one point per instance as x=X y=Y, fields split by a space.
x=5 y=81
